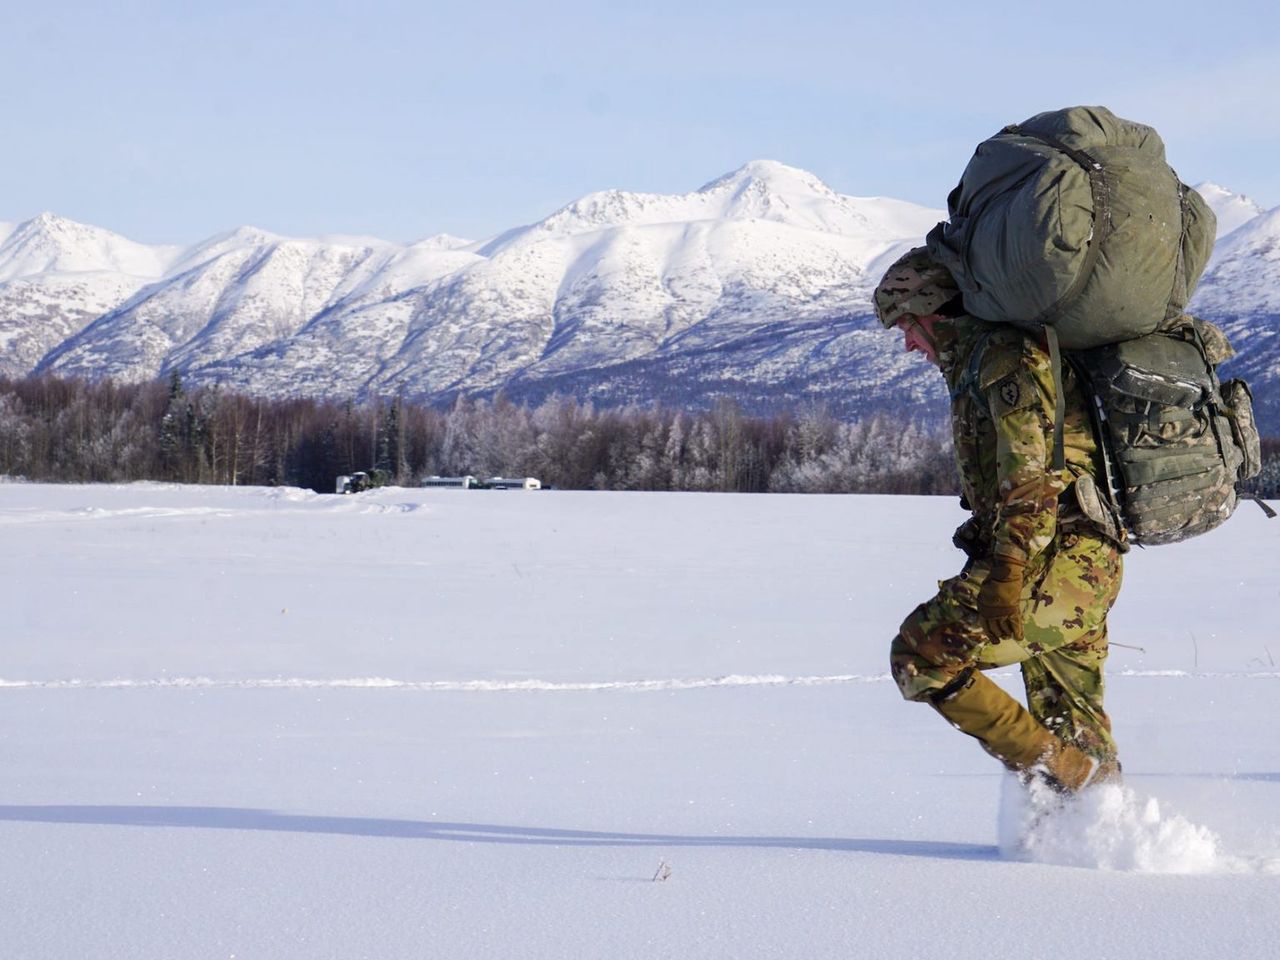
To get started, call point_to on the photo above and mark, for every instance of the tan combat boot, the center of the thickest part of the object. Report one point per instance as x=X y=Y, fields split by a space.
x=976 y=705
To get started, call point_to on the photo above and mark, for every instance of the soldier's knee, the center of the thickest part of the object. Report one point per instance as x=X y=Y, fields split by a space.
x=916 y=678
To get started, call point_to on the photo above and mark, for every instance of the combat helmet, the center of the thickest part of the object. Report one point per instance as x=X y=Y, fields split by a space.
x=914 y=286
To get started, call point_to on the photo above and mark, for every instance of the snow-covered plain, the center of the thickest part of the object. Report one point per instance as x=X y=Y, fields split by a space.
x=268 y=723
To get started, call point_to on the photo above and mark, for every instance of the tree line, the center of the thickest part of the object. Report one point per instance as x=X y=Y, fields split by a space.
x=72 y=430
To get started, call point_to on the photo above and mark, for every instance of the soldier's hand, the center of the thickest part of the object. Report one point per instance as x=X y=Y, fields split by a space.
x=998 y=600
x=968 y=537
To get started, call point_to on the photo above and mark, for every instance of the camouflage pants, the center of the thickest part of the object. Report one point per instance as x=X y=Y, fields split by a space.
x=1069 y=590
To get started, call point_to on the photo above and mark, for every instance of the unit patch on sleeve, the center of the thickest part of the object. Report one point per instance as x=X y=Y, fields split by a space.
x=1013 y=392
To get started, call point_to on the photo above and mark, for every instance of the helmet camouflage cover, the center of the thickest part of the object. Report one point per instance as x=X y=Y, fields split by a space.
x=914 y=286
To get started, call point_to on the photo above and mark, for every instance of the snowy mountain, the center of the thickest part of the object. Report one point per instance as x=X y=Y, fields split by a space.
x=57 y=276
x=1240 y=291
x=755 y=286
x=760 y=278
x=1232 y=210
x=52 y=244
x=1244 y=275
x=236 y=293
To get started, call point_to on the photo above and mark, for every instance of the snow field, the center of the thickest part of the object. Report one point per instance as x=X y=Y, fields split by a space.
x=425 y=723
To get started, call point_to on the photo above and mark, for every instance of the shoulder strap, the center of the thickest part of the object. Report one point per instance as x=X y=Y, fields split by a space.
x=1059 y=399
x=1097 y=414
x=1179 y=294
x=968 y=382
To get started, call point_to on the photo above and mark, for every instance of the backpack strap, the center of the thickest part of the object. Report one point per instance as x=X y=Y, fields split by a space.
x=1180 y=293
x=968 y=382
x=1213 y=399
x=1113 y=486
x=1271 y=514
x=1059 y=399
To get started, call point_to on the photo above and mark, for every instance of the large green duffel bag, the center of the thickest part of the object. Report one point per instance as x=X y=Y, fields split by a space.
x=1073 y=220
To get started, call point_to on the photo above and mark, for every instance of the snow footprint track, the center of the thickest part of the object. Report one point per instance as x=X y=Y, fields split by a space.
x=441 y=686
x=528 y=685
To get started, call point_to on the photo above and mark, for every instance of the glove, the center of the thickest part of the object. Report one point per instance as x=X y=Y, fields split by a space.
x=968 y=537
x=998 y=600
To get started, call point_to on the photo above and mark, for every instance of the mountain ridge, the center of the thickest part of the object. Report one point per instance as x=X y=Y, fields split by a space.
x=755 y=285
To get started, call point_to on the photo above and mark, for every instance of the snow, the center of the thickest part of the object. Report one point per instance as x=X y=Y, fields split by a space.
x=1232 y=210
x=1243 y=277
x=1111 y=827
x=49 y=244
x=411 y=723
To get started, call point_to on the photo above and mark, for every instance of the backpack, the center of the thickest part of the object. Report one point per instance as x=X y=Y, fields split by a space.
x=1073 y=224
x=1174 y=440
x=1072 y=221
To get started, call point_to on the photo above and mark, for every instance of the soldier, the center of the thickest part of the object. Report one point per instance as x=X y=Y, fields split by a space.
x=1044 y=553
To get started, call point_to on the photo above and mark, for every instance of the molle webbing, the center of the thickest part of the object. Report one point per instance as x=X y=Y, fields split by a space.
x=1176 y=442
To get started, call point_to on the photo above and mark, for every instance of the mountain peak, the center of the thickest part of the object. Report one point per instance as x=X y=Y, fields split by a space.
x=442 y=241
x=1233 y=210
x=771 y=176
x=51 y=224
x=241 y=238
x=47 y=219
x=250 y=235
x=49 y=243
x=760 y=190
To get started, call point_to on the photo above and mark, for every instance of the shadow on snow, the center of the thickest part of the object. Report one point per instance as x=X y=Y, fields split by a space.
x=236 y=818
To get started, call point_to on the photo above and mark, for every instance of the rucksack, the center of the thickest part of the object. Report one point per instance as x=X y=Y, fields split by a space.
x=1174 y=439
x=1073 y=224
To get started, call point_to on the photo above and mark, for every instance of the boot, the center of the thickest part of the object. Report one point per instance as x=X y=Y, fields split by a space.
x=975 y=705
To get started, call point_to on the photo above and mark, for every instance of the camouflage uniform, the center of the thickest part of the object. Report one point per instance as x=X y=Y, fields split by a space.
x=1003 y=418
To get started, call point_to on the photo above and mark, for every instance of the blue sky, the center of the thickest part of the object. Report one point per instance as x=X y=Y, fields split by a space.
x=168 y=122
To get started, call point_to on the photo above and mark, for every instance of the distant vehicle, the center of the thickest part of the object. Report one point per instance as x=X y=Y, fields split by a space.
x=513 y=483
x=493 y=483
x=355 y=483
x=461 y=482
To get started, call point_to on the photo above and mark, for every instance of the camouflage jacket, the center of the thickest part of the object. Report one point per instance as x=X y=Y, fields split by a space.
x=1002 y=417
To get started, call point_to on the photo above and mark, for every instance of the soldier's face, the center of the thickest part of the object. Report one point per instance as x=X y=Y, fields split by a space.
x=918 y=336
